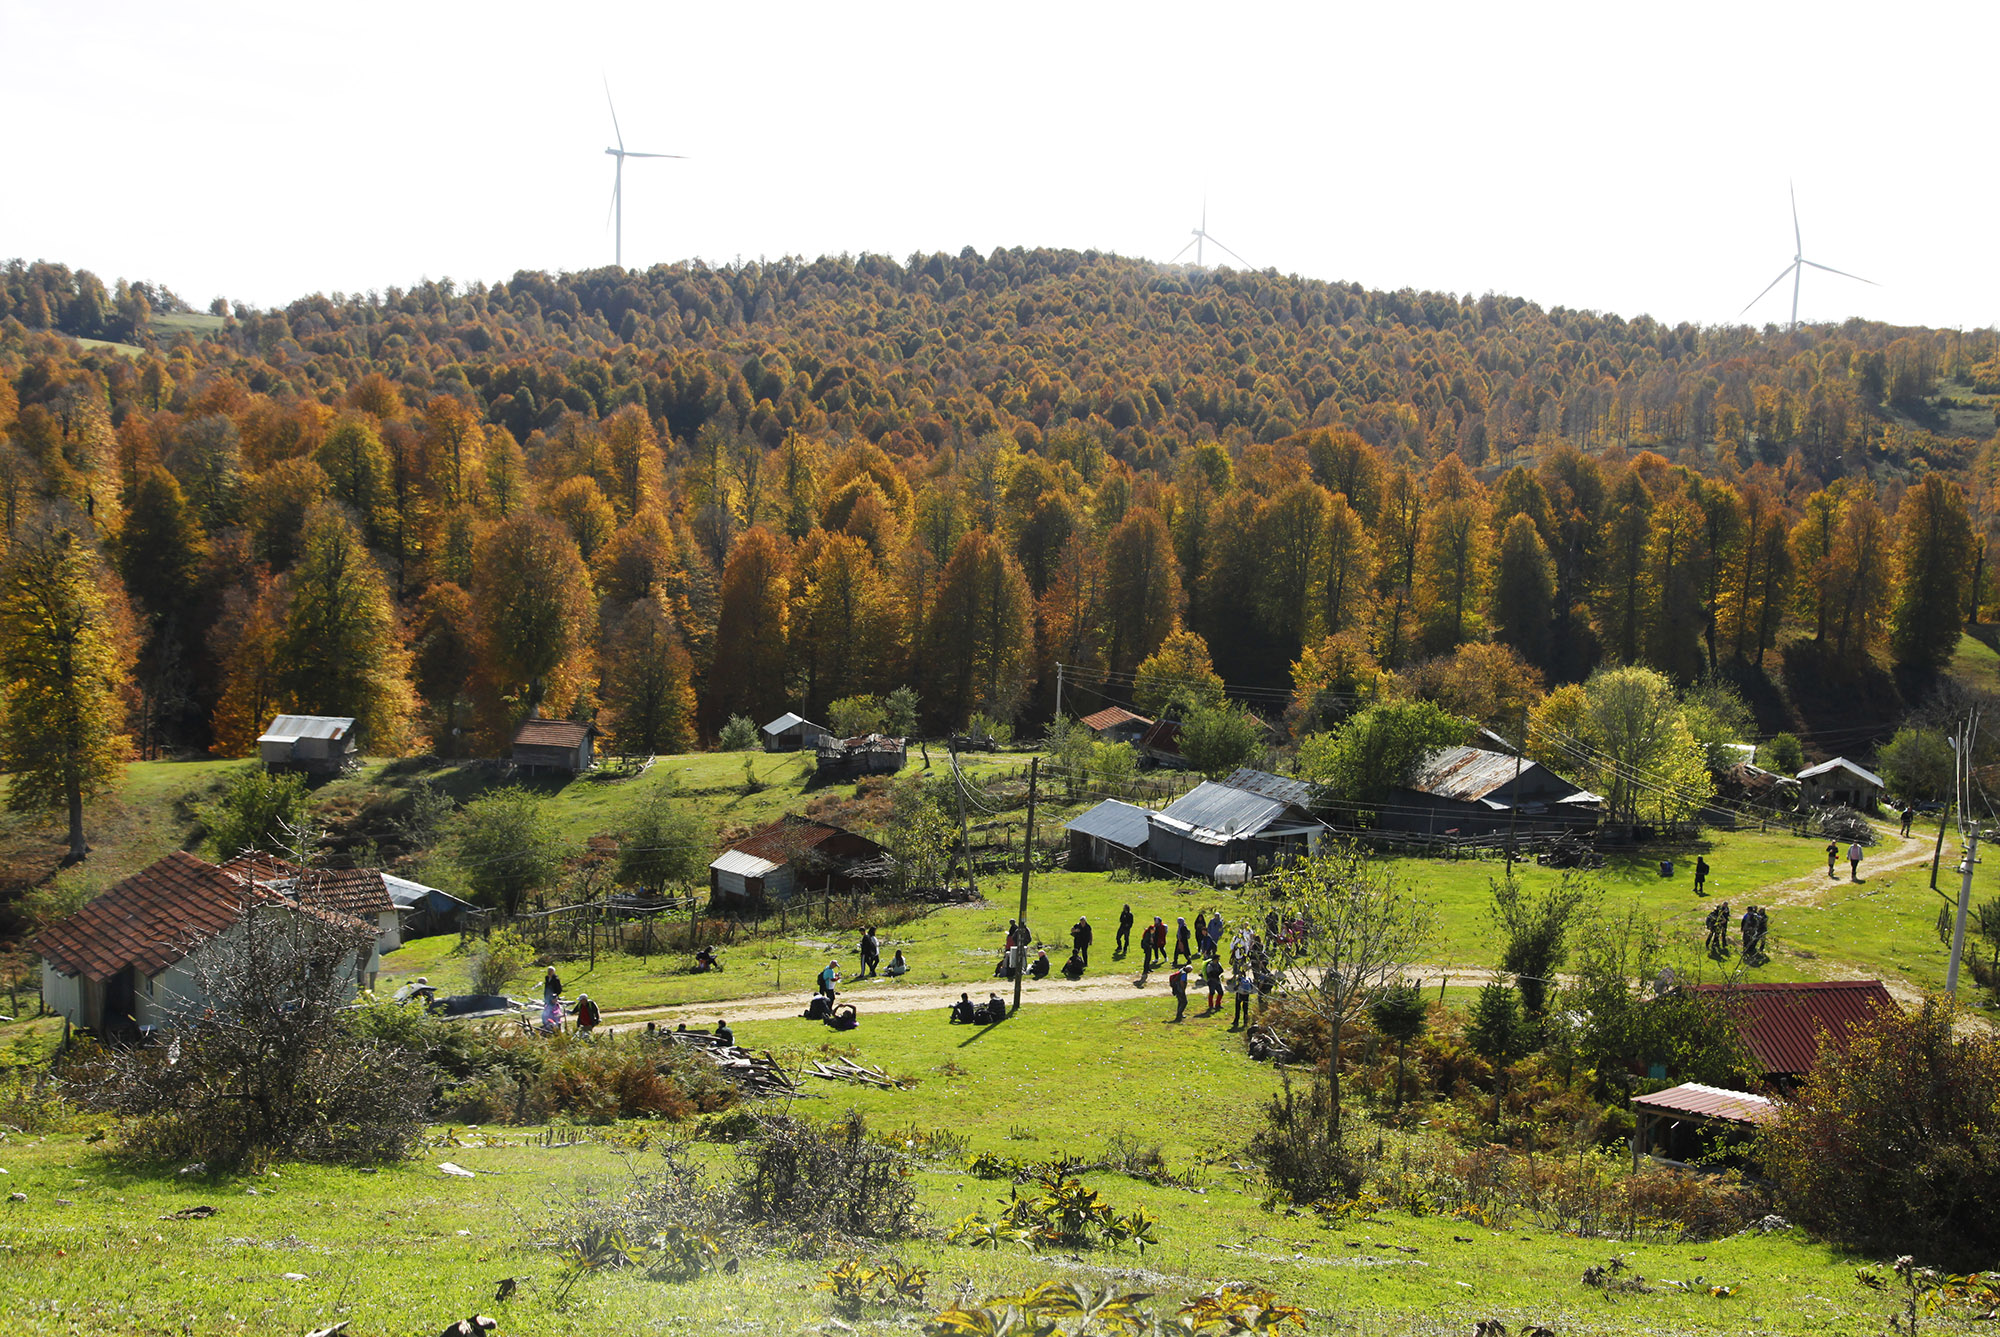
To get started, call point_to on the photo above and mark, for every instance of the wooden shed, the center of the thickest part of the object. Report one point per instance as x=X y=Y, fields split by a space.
x=1841 y=781
x=1115 y=724
x=1473 y=791
x=1692 y=1123
x=318 y=744
x=790 y=857
x=1110 y=835
x=560 y=746
x=844 y=758
x=792 y=733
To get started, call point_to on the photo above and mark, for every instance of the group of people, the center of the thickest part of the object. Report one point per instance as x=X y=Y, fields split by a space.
x=552 y=1019
x=1756 y=923
x=965 y=1012
x=870 y=951
x=1249 y=974
x=1854 y=853
x=1014 y=960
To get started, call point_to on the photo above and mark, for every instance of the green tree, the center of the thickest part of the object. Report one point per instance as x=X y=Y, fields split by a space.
x=503 y=845
x=1216 y=739
x=739 y=735
x=1934 y=554
x=1142 y=588
x=854 y=716
x=256 y=812
x=1623 y=734
x=648 y=682
x=340 y=652
x=63 y=658
x=920 y=836
x=899 y=711
x=1500 y=1033
x=1400 y=1014
x=1379 y=748
x=1918 y=763
x=1783 y=754
x=357 y=468
x=1717 y=715
x=662 y=843
x=1535 y=927
x=1524 y=589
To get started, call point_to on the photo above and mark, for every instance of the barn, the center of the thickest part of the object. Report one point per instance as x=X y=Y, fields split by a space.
x=1471 y=791
x=1109 y=835
x=1115 y=724
x=790 y=857
x=845 y=758
x=560 y=747
x=1841 y=781
x=791 y=733
x=315 y=744
x=1252 y=816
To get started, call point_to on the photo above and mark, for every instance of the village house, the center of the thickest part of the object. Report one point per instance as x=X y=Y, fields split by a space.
x=845 y=758
x=792 y=733
x=424 y=912
x=1115 y=724
x=315 y=744
x=1250 y=817
x=362 y=893
x=1841 y=781
x=1783 y=1025
x=1471 y=791
x=132 y=959
x=559 y=747
x=1110 y=835
x=794 y=856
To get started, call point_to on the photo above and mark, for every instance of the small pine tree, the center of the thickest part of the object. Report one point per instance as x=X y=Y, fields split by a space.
x=739 y=735
x=1399 y=1013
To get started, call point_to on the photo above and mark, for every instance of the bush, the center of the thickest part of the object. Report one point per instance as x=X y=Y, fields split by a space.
x=854 y=716
x=1061 y=1213
x=257 y=812
x=504 y=845
x=739 y=735
x=497 y=960
x=662 y=844
x=1783 y=755
x=817 y=1182
x=1299 y=1157
x=1895 y=1144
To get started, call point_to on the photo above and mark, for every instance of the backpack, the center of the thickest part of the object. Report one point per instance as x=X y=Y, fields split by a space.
x=816 y=1010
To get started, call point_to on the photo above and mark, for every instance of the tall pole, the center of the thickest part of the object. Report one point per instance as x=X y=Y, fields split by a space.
x=964 y=827
x=1027 y=862
x=618 y=208
x=1059 y=685
x=1514 y=800
x=1964 y=904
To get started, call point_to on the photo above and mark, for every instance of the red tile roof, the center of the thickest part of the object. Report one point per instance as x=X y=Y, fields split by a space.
x=259 y=867
x=551 y=733
x=785 y=840
x=1163 y=737
x=360 y=892
x=1110 y=716
x=1783 y=1023
x=1711 y=1102
x=151 y=919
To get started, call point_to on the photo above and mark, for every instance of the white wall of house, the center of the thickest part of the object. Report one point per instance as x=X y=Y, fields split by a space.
x=62 y=994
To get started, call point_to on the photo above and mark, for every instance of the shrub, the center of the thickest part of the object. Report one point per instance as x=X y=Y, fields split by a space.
x=1300 y=1157
x=661 y=843
x=504 y=845
x=257 y=812
x=1236 y=1308
x=1784 y=754
x=1060 y=1213
x=853 y=716
x=739 y=735
x=497 y=960
x=814 y=1181
x=1896 y=1143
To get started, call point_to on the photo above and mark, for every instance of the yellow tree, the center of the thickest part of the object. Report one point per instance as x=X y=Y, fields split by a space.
x=648 y=683
x=752 y=631
x=64 y=655
x=453 y=448
x=978 y=646
x=532 y=598
x=1290 y=531
x=844 y=632
x=340 y=652
x=1142 y=588
x=1343 y=568
x=1179 y=672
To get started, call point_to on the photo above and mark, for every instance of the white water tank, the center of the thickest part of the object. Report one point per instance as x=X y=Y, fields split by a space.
x=1231 y=874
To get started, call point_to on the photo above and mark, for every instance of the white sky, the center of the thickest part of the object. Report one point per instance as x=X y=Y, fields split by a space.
x=1625 y=158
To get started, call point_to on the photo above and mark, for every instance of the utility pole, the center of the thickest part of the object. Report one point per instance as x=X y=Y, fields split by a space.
x=964 y=828
x=1964 y=904
x=1059 y=687
x=1514 y=801
x=1028 y=862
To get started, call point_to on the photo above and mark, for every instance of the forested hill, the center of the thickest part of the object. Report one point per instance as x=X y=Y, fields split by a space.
x=660 y=499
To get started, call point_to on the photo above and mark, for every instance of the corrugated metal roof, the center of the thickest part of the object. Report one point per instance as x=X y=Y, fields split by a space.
x=291 y=728
x=1782 y=1023
x=1120 y=823
x=410 y=895
x=747 y=865
x=1467 y=773
x=789 y=720
x=1711 y=1102
x=1110 y=716
x=1842 y=763
x=1221 y=810
x=1271 y=786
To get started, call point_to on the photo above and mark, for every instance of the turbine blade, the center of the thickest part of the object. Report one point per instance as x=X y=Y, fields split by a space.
x=1181 y=252
x=1767 y=287
x=1843 y=273
x=613 y=206
x=1796 y=237
x=1226 y=251
x=630 y=154
x=614 y=115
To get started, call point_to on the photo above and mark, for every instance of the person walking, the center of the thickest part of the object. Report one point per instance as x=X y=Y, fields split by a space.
x=1158 y=952
x=1854 y=862
x=587 y=1016
x=1832 y=853
x=1241 y=987
x=1200 y=931
x=1700 y=875
x=1909 y=814
x=1211 y=975
x=1123 y=946
x=1178 y=982
x=551 y=986
x=1183 y=942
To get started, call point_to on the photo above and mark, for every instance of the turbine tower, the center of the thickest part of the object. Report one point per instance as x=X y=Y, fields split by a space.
x=1797 y=268
x=621 y=153
x=1201 y=235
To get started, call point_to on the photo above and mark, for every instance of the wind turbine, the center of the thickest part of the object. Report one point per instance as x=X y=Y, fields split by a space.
x=1797 y=267
x=1201 y=235
x=621 y=153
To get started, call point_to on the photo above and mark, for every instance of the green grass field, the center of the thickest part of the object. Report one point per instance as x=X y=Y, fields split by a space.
x=406 y=1249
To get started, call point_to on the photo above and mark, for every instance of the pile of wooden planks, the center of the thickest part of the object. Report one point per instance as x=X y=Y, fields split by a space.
x=847 y=1070
x=758 y=1074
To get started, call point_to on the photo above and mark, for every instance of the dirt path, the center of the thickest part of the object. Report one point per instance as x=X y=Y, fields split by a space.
x=1813 y=887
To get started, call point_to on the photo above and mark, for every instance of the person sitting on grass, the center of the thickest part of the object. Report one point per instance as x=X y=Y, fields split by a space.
x=843 y=1018
x=723 y=1033
x=587 y=1015
x=1040 y=969
x=962 y=1010
x=898 y=966
x=704 y=960
x=1073 y=968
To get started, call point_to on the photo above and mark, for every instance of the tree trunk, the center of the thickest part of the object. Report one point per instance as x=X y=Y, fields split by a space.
x=1402 y=1048
x=1333 y=1085
x=78 y=850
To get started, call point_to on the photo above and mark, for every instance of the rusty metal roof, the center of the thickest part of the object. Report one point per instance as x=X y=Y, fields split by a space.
x=1694 y=1100
x=1782 y=1023
x=1109 y=717
x=1270 y=786
x=552 y=733
x=1467 y=774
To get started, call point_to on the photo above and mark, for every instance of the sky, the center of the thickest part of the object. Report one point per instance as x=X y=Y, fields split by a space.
x=1632 y=159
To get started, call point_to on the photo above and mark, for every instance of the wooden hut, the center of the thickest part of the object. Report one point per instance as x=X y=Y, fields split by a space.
x=316 y=744
x=563 y=747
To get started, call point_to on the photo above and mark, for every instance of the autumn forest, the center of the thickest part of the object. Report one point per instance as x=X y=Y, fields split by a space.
x=660 y=500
